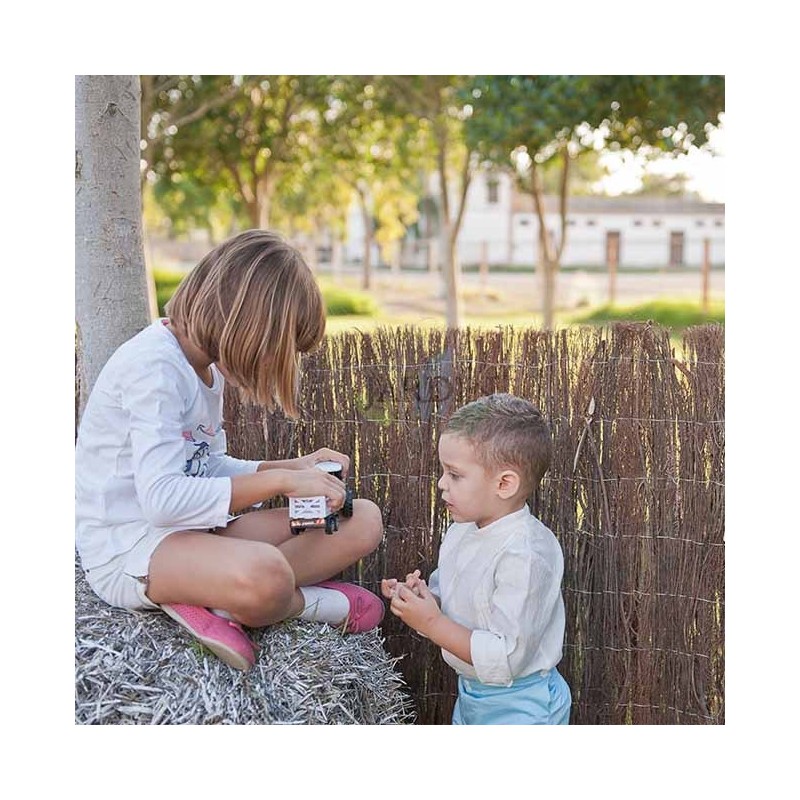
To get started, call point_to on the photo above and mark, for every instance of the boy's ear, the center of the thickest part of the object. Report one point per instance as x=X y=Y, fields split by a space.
x=508 y=484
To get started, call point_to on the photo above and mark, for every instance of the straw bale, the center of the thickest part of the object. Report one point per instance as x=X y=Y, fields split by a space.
x=140 y=668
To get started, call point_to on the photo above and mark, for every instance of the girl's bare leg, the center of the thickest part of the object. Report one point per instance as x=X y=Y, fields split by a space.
x=251 y=580
x=254 y=566
x=314 y=555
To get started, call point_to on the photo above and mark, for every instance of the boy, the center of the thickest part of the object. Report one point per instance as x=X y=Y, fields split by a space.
x=494 y=603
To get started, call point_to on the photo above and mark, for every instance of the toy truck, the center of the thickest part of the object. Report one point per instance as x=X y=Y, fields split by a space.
x=312 y=512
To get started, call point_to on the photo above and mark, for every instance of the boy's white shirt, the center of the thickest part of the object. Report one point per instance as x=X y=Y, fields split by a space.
x=151 y=449
x=503 y=582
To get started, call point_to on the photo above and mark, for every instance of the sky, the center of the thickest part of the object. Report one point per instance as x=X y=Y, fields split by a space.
x=705 y=167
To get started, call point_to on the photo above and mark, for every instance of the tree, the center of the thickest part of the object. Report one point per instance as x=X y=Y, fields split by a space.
x=438 y=106
x=528 y=121
x=374 y=150
x=252 y=130
x=110 y=290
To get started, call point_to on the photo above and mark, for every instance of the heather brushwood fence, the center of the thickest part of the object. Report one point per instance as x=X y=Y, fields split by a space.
x=635 y=493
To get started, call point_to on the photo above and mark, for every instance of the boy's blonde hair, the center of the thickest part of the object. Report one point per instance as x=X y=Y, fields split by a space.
x=506 y=432
x=253 y=306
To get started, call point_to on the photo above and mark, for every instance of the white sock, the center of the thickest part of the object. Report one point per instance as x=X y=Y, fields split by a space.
x=324 y=605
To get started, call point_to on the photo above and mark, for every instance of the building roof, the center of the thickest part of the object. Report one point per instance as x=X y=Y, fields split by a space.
x=622 y=204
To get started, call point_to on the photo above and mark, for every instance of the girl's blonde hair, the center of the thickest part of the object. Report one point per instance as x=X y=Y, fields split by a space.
x=252 y=305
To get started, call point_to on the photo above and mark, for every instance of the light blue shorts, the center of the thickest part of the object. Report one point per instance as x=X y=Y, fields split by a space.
x=542 y=698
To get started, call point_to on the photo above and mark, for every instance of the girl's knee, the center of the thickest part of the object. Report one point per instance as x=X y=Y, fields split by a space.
x=265 y=587
x=369 y=524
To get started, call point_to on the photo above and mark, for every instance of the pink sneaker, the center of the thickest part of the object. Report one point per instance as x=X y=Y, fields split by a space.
x=223 y=637
x=366 y=608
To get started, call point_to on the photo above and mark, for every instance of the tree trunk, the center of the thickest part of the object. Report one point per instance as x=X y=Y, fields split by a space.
x=366 y=281
x=110 y=289
x=264 y=192
x=451 y=278
x=547 y=253
x=549 y=272
x=448 y=247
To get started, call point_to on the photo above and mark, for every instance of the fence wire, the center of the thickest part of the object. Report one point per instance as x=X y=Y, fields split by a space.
x=635 y=493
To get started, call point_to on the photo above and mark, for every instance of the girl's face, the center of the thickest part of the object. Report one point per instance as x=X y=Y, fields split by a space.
x=469 y=492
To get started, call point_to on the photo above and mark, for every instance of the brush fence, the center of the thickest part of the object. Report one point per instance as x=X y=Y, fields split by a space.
x=635 y=493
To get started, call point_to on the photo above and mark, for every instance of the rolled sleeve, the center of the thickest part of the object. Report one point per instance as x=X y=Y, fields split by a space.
x=490 y=658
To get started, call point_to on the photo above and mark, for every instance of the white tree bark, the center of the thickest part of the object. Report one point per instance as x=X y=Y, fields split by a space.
x=110 y=289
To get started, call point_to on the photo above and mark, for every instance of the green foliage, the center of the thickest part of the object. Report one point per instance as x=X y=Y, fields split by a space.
x=342 y=302
x=241 y=146
x=166 y=282
x=669 y=313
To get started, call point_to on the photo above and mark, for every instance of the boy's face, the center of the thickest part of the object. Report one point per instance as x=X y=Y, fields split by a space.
x=470 y=492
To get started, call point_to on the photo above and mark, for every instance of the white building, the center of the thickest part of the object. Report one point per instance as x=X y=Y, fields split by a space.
x=501 y=225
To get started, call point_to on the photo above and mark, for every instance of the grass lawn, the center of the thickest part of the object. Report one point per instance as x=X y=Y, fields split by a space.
x=399 y=300
x=669 y=313
x=673 y=314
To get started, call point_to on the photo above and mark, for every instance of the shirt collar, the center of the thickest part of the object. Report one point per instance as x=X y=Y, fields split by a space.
x=504 y=522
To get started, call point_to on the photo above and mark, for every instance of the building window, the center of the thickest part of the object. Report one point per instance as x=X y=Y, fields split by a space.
x=524 y=221
x=570 y=222
x=656 y=223
x=590 y=222
x=717 y=223
x=493 y=192
x=699 y=223
x=637 y=223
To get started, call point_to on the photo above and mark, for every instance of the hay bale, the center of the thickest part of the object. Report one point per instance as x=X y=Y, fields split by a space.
x=141 y=668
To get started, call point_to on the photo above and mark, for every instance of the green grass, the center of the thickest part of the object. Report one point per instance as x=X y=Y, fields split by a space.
x=673 y=314
x=338 y=301
x=347 y=302
x=669 y=313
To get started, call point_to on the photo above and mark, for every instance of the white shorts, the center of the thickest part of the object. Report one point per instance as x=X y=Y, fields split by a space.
x=122 y=582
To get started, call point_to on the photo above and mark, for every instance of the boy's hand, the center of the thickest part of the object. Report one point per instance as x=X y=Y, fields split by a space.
x=417 y=608
x=413 y=580
x=389 y=587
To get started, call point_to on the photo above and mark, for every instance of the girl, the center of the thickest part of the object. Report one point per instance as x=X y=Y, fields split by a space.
x=156 y=495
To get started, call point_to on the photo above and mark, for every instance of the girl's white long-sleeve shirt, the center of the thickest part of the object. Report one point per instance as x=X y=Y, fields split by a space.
x=503 y=582
x=151 y=449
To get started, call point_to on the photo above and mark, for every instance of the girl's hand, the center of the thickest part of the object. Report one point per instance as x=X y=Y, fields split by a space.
x=419 y=610
x=311 y=482
x=323 y=454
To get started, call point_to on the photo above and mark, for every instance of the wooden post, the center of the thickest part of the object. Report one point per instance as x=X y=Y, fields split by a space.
x=484 y=266
x=613 y=262
x=706 y=272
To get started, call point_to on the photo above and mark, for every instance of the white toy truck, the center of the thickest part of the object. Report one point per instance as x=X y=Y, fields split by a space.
x=312 y=512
